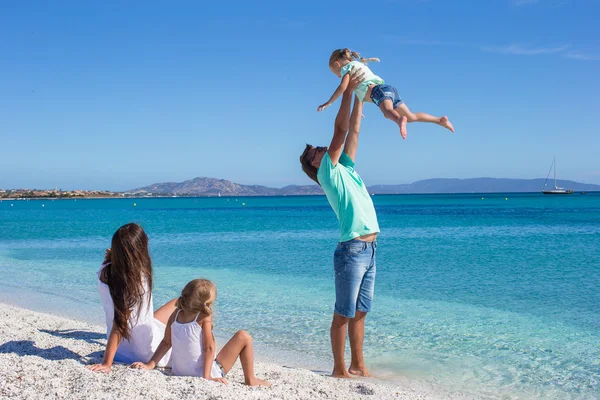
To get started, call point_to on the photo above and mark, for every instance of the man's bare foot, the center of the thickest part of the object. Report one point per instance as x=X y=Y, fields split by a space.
x=360 y=371
x=257 y=382
x=445 y=122
x=343 y=374
x=402 y=125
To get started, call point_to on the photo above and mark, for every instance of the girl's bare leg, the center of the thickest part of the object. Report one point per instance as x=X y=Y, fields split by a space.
x=240 y=345
x=423 y=117
x=387 y=108
x=163 y=313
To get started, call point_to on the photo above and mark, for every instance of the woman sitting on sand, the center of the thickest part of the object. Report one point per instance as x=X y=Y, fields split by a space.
x=134 y=329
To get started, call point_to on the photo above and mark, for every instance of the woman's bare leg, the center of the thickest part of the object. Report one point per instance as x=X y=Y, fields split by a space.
x=240 y=345
x=163 y=313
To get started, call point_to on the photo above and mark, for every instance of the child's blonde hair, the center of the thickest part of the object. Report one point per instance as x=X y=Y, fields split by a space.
x=197 y=296
x=347 y=54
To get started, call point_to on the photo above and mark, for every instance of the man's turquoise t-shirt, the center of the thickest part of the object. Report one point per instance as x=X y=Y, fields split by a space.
x=348 y=197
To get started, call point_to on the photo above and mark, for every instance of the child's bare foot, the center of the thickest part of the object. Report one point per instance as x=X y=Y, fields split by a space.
x=402 y=125
x=445 y=122
x=359 y=371
x=257 y=382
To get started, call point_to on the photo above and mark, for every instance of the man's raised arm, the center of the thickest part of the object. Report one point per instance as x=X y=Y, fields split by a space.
x=352 y=138
x=340 y=128
x=342 y=120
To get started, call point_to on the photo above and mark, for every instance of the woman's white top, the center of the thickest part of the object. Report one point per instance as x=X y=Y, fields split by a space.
x=146 y=331
x=187 y=360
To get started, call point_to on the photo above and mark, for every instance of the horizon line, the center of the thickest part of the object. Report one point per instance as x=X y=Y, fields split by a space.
x=56 y=188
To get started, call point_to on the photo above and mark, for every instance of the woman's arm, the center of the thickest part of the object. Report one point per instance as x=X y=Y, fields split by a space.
x=161 y=350
x=114 y=338
x=338 y=92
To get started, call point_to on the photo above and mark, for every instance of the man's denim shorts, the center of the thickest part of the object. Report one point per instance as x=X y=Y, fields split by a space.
x=385 y=92
x=354 y=265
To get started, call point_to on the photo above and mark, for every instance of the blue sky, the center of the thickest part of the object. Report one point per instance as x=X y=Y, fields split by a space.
x=117 y=95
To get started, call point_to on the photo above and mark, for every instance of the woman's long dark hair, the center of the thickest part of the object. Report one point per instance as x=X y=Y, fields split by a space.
x=129 y=267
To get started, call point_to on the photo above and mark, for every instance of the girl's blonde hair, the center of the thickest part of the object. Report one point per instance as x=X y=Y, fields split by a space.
x=347 y=54
x=197 y=296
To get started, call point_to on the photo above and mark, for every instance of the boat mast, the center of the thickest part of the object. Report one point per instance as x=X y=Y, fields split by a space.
x=555 y=173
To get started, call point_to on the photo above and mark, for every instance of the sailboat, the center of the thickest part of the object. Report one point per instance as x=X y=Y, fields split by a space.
x=556 y=190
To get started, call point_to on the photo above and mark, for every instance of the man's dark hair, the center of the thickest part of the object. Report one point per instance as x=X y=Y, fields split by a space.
x=307 y=166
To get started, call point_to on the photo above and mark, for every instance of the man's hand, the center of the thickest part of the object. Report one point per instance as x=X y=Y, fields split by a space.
x=222 y=380
x=323 y=106
x=357 y=76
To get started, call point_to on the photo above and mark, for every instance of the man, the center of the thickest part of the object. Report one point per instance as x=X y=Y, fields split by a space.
x=354 y=258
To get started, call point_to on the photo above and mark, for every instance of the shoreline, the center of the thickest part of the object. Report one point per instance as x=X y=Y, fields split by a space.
x=43 y=355
x=211 y=196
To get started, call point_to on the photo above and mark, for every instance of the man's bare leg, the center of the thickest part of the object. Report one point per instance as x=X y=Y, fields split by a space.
x=356 y=331
x=338 y=344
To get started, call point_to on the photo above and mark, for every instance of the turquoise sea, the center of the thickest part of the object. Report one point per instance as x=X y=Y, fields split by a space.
x=490 y=294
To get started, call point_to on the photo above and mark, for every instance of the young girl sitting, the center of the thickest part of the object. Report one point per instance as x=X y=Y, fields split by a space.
x=189 y=332
x=134 y=329
x=373 y=89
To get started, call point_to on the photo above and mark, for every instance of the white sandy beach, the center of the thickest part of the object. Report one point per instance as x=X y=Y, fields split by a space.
x=44 y=356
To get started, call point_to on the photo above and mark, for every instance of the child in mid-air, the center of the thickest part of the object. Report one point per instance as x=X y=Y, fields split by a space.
x=373 y=89
x=189 y=332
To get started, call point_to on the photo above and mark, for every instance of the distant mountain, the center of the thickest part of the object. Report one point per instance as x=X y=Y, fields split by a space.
x=293 y=190
x=479 y=185
x=207 y=187
x=214 y=187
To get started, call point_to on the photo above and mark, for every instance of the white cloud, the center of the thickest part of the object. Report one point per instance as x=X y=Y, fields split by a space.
x=519 y=3
x=518 y=49
x=577 y=55
x=513 y=49
x=547 y=3
x=420 y=42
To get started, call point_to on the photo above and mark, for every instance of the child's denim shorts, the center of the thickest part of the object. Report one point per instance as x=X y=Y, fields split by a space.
x=385 y=92
x=354 y=265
